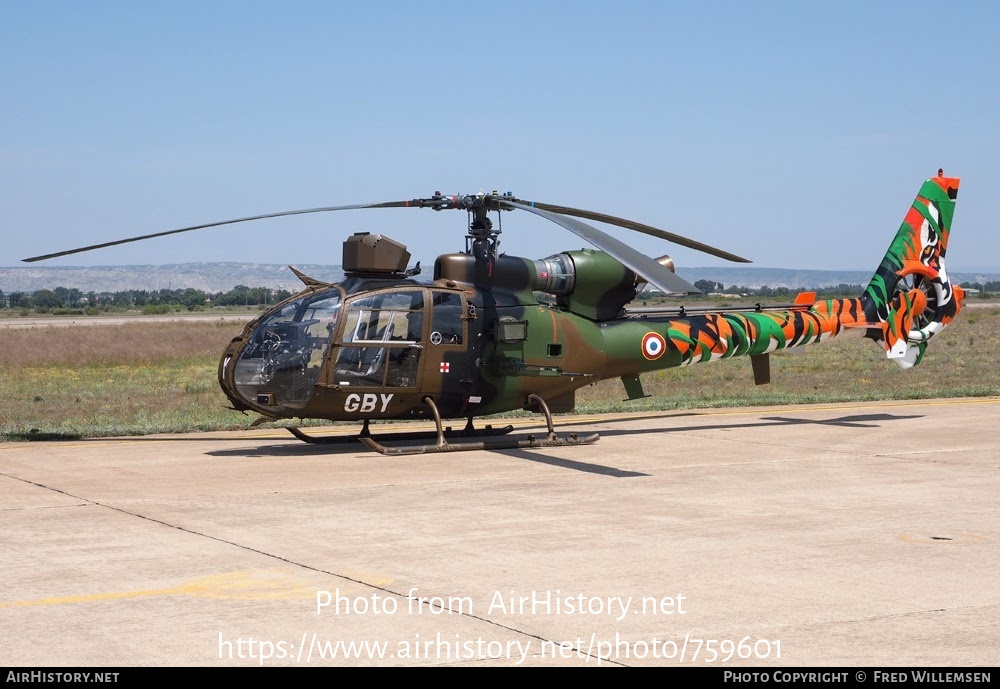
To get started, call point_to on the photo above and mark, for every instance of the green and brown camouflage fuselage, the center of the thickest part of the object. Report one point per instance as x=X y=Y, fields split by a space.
x=477 y=341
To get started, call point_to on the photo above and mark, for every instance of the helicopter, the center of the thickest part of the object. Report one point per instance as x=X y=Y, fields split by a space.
x=491 y=332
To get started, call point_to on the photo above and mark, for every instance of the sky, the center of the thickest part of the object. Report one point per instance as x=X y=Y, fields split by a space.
x=795 y=134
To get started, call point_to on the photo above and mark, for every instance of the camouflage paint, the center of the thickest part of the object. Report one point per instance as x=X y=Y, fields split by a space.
x=917 y=250
x=710 y=337
x=884 y=312
x=515 y=347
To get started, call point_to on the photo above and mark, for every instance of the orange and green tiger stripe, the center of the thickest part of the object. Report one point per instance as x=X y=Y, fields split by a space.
x=883 y=312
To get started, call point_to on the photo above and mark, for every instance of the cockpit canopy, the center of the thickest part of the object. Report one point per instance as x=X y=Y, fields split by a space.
x=281 y=359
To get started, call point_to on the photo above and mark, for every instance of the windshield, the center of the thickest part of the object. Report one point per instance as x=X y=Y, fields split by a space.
x=281 y=361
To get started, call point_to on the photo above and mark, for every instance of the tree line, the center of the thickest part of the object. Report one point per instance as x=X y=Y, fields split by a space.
x=149 y=301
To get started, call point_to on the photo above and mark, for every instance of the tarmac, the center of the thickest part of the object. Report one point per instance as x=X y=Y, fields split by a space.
x=840 y=535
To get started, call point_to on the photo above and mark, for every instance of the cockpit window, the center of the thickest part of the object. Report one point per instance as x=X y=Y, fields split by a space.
x=280 y=363
x=381 y=341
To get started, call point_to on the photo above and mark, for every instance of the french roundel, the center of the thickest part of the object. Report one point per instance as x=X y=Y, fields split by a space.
x=653 y=346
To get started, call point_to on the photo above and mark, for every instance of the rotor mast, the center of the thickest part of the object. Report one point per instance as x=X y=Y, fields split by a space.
x=483 y=240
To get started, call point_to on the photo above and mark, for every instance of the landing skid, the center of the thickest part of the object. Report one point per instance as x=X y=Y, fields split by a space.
x=442 y=445
x=468 y=432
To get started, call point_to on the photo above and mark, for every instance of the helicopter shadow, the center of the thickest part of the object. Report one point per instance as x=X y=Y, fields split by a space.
x=853 y=421
x=288 y=449
x=563 y=463
x=349 y=448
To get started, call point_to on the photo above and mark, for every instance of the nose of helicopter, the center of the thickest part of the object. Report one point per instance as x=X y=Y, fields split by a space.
x=227 y=373
x=273 y=367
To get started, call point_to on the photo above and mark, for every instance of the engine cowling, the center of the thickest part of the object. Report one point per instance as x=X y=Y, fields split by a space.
x=587 y=282
x=599 y=288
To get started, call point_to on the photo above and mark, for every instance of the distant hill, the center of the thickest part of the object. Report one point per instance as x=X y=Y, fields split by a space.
x=220 y=277
x=209 y=277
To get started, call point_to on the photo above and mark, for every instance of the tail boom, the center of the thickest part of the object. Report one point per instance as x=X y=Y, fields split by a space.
x=668 y=342
x=908 y=301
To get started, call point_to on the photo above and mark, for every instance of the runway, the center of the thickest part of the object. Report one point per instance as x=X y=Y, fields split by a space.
x=830 y=535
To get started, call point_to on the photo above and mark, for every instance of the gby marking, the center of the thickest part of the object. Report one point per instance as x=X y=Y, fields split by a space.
x=367 y=402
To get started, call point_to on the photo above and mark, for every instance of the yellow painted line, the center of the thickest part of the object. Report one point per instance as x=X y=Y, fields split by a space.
x=229 y=586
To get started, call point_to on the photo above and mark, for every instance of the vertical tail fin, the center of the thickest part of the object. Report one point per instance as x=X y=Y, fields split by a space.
x=910 y=293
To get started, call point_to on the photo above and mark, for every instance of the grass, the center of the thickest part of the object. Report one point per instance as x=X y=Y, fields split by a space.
x=126 y=379
x=960 y=362
x=141 y=377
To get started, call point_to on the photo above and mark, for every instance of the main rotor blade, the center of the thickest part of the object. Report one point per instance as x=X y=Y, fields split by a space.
x=388 y=204
x=639 y=227
x=642 y=265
